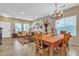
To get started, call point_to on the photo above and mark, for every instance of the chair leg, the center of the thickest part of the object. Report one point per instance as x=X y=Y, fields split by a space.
x=68 y=48
x=42 y=52
x=51 y=51
x=62 y=51
x=36 y=52
x=48 y=52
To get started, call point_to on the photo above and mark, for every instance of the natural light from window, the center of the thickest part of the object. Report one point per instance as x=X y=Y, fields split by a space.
x=67 y=24
x=21 y=27
x=26 y=27
x=18 y=27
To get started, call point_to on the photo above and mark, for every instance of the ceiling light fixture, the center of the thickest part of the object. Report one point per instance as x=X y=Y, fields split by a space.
x=57 y=13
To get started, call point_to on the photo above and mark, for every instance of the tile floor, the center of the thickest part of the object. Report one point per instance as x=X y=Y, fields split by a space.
x=11 y=47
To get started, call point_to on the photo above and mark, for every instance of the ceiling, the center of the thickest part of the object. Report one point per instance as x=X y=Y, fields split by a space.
x=31 y=11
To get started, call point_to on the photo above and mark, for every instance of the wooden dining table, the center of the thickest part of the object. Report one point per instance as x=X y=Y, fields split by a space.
x=52 y=41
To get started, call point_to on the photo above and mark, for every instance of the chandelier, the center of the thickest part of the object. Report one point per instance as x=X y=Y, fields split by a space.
x=57 y=13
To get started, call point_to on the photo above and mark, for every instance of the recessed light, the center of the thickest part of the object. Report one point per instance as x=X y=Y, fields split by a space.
x=22 y=12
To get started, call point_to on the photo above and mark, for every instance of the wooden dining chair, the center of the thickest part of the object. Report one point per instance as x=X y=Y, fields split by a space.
x=40 y=47
x=62 y=32
x=68 y=37
x=64 y=47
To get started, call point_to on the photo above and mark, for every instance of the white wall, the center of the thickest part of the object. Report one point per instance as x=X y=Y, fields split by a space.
x=40 y=21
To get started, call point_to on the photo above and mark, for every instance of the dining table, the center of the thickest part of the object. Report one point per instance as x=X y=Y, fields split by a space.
x=53 y=41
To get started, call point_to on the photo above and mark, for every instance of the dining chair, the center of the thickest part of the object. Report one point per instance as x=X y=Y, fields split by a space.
x=64 y=46
x=40 y=47
x=62 y=32
x=69 y=35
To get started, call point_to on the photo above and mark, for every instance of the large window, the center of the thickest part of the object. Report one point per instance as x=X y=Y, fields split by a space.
x=18 y=27
x=21 y=27
x=66 y=24
x=26 y=27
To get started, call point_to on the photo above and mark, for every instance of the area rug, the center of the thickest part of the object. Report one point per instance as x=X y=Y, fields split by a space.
x=22 y=41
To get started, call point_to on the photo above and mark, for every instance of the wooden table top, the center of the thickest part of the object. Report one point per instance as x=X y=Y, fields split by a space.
x=52 y=40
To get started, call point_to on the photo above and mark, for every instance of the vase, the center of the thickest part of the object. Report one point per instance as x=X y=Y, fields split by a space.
x=46 y=30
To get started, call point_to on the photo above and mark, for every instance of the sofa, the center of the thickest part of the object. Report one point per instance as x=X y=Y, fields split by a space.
x=21 y=34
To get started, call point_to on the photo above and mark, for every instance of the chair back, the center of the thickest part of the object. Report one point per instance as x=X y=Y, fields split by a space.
x=66 y=38
x=62 y=32
x=38 y=40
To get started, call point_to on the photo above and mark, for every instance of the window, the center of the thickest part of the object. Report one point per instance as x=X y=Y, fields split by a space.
x=67 y=24
x=18 y=27
x=26 y=27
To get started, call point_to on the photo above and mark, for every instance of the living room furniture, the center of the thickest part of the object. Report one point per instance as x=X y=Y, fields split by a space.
x=14 y=35
x=30 y=38
x=19 y=34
